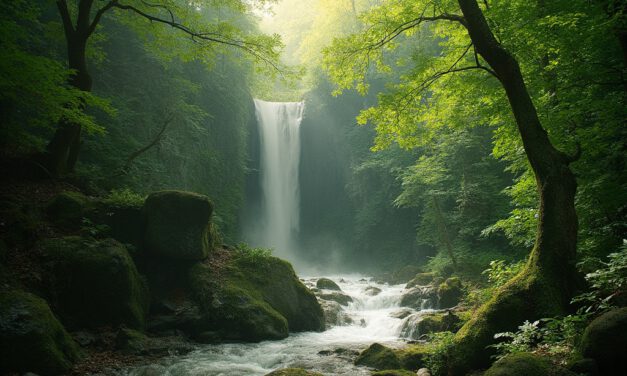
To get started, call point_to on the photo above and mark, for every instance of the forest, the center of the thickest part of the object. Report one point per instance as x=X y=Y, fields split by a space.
x=319 y=187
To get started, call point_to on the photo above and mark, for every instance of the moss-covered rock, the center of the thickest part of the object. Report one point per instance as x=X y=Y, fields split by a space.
x=136 y=343
x=450 y=292
x=394 y=372
x=293 y=372
x=255 y=298
x=124 y=220
x=327 y=284
x=68 y=208
x=526 y=364
x=378 y=357
x=95 y=282
x=177 y=225
x=530 y=295
x=31 y=337
x=413 y=356
x=421 y=279
x=605 y=340
x=428 y=323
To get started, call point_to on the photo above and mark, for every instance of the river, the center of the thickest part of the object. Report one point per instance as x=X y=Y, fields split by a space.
x=330 y=352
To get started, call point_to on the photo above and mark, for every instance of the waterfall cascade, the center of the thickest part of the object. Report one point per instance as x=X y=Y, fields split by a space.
x=279 y=131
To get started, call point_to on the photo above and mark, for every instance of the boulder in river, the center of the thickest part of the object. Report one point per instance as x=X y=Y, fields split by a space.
x=31 y=337
x=372 y=291
x=378 y=357
x=94 y=282
x=334 y=314
x=177 y=225
x=254 y=298
x=335 y=296
x=420 y=297
x=327 y=284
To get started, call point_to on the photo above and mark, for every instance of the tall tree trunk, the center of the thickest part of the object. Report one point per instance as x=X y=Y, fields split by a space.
x=547 y=283
x=63 y=149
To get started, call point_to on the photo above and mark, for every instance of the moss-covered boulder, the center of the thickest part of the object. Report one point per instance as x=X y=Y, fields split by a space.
x=526 y=364
x=136 y=343
x=255 y=298
x=378 y=357
x=31 y=337
x=293 y=372
x=426 y=323
x=94 y=282
x=450 y=292
x=69 y=208
x=327 y=284
x=605 y=340
x=177 y=225
x=413 y=356
x=421 y=279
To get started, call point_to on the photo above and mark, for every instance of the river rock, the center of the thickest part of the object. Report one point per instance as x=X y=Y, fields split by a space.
x=605 y=340
x=95 y=282
x=419 y=297
x=327 y=284
x=136 y=343
x=293 y=372
x=334 y=314
x=372 y=291
x=421 y=279
x=31 y=337
x=177 y=225
x=254 y=299
x=423 y=372
x=402 y=313
x=335 y=296
x=378 y=357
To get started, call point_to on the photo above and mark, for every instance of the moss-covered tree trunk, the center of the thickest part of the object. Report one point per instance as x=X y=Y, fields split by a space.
x=545 y=286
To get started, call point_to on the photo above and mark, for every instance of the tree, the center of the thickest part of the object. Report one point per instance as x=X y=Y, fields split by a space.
x=181 y=16
x=548 y=281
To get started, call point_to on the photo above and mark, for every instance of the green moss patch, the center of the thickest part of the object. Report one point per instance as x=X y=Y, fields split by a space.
x=378 y=357
x=177 y=225
x=525 y=364
x=95 y=282
x=31 y=337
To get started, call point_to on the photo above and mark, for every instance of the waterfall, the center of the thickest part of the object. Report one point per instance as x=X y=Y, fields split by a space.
x=279 y=131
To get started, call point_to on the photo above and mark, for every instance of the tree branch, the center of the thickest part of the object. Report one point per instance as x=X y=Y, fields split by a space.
x=206 y=36
x=68 y=28
x=98 y=16
x=155 y=141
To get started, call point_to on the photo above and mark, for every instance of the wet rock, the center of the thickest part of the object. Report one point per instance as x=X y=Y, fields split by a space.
x=401 y=314
x=415 y=327
x=372 y=291
x=327 y=284
x=421 y=279
x=177 y=225
x=84 y=338
x=335 y=296
x=393 y=372
x=604 y=340
x=334 y=314
x=423 y=372
x=31 y=337
x=254 y=299
x=421 y=297
x=169 y=317
x=293 y=372
x=378 y=357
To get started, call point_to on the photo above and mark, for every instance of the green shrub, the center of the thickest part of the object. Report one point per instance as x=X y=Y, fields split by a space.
x=124 y=198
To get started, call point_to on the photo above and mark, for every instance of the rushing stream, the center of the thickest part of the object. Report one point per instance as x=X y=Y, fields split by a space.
x=330 y=352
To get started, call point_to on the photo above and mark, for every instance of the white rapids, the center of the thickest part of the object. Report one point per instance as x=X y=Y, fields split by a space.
x=331 y=352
